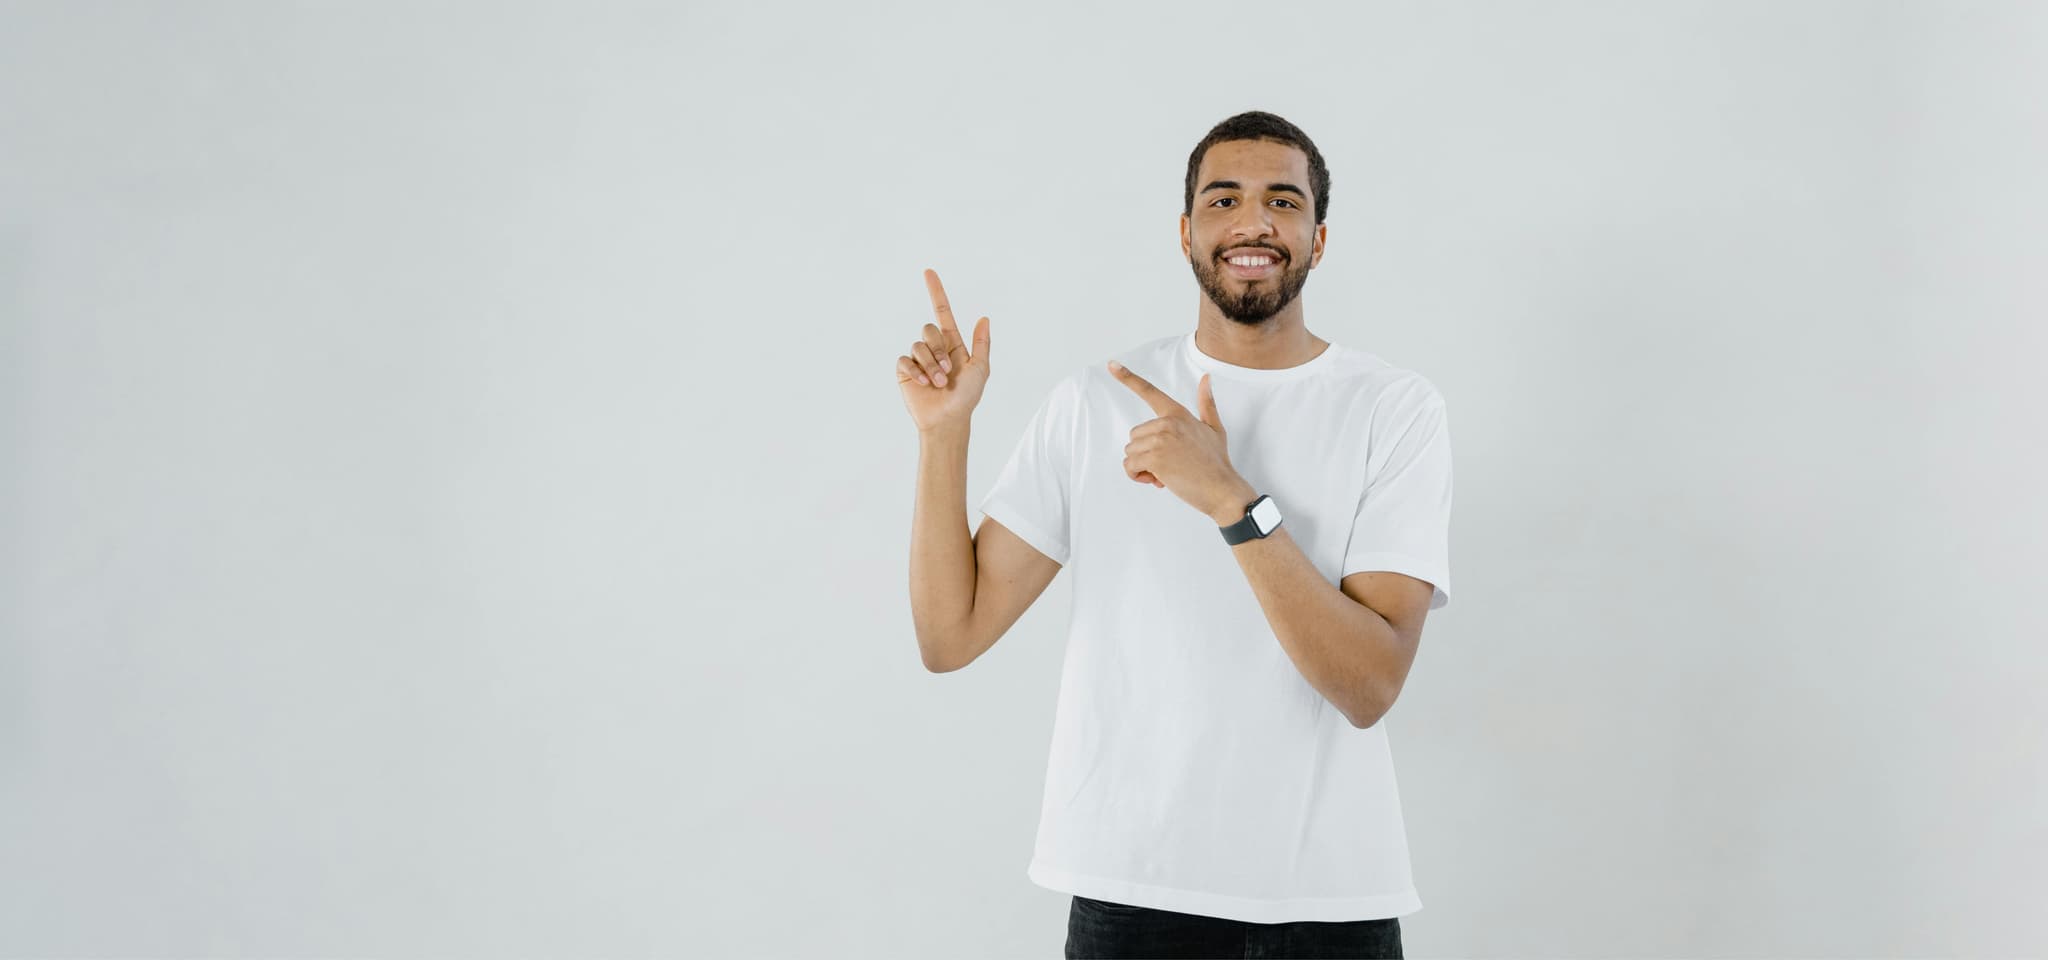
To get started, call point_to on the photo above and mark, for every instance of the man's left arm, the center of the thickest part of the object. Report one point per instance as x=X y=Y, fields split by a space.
x=1355 y=644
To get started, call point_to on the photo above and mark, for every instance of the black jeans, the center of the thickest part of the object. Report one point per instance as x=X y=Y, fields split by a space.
x=1098 y=928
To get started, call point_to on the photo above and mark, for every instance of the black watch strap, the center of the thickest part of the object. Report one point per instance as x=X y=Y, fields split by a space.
x=1246 y=528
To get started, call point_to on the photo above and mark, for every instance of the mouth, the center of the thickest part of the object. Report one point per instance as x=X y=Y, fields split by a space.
x=1252 y=266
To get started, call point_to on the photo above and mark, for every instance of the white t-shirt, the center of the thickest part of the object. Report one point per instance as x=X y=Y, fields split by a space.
x=1193 y=768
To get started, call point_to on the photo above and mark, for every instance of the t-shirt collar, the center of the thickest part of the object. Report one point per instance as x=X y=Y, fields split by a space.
x=1204 y=363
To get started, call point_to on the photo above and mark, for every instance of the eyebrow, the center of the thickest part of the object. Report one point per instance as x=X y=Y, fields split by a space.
x=1234 y=185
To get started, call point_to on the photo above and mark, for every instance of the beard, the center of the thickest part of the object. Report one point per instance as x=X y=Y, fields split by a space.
x=1249 y=302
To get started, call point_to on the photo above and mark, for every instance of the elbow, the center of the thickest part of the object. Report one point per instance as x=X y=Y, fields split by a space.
x=947 y=649
x=1365 y=715
x=935 y=659
x=940 y=656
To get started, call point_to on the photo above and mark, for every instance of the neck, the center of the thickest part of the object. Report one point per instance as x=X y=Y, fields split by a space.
x=1281 y=341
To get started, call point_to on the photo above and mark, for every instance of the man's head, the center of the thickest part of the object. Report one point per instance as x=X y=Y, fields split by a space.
x=1256 y=186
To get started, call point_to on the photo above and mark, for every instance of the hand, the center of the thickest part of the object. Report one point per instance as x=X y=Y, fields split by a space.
x=941 y=381
x=1186 y=454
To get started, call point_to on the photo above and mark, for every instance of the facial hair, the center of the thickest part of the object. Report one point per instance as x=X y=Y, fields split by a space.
x=1249 y=302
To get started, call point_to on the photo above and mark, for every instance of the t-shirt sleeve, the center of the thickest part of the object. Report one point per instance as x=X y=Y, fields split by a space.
x=1032 y=495
x=1403 y=521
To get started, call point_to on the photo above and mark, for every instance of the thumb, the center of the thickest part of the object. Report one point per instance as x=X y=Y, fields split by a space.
x=981 y=340
x=1205 y=396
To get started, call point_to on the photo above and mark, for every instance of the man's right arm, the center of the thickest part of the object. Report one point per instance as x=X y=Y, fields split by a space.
x=965 y=591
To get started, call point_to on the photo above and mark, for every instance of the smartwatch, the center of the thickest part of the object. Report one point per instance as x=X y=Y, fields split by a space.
x=1261 y=517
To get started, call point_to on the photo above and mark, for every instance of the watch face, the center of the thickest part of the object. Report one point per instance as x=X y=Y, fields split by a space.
x=1266 y=514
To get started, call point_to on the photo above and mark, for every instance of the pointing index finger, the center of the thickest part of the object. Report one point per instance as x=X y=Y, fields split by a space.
x=1154 y=397
x=943 y=309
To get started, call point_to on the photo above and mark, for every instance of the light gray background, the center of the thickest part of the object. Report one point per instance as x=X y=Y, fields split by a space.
x=456 y=496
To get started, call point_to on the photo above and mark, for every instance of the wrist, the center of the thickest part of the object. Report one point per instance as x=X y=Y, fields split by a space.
x=948 y=434
x=1234 y=510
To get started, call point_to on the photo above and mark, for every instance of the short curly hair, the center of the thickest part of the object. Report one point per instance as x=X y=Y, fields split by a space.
x=1260 y=125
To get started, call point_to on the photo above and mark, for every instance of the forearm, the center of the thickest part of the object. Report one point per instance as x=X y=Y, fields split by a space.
x=942 y=564
x=1342 y=647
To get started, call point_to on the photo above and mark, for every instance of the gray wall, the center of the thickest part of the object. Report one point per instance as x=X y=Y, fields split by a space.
x=456 y=497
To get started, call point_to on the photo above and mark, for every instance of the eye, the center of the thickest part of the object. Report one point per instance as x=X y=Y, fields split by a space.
x=1283 y=200
x=1218 y=200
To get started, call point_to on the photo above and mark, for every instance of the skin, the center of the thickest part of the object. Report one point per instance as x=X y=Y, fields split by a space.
x=1354 y=643
x=1253 y=323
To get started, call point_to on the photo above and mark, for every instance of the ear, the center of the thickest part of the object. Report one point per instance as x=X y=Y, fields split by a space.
x=1187 y=248
x=1316 y=257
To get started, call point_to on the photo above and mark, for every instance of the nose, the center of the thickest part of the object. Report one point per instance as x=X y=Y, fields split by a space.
x=1253 y=229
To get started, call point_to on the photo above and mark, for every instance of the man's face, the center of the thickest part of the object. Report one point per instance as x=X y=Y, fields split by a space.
x=1252 y=198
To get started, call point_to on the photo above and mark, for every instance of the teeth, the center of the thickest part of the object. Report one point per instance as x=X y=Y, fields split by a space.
x=1252 y=261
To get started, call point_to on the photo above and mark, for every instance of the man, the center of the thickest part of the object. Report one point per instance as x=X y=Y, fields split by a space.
x=1219 y=781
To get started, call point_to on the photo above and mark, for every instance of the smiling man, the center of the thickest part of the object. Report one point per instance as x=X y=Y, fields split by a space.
x=1258 y=522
